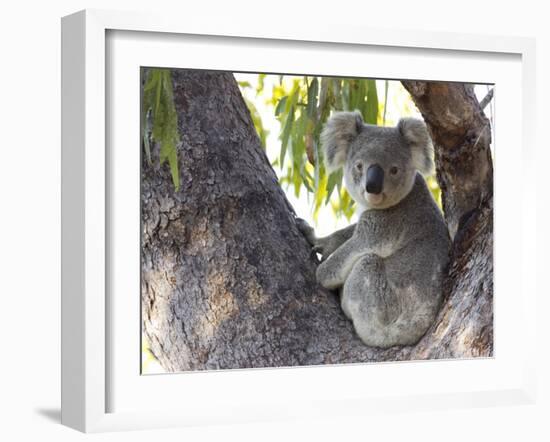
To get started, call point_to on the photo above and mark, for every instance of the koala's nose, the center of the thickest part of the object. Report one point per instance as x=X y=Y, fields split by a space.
x=375 y=179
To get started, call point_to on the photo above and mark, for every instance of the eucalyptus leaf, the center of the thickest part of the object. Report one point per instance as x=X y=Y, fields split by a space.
x=281 y=105
x=386 y=85
x=312 y=97
x=371 y=111
x=160 y=119
x=286 y=136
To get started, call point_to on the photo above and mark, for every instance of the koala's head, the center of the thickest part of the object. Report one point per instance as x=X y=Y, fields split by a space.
x=380 y=163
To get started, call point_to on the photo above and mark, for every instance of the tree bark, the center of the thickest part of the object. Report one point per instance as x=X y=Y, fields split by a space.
x=229 y=282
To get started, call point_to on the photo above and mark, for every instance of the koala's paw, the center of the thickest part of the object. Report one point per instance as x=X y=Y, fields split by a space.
x=320 y=248
x=306 y=230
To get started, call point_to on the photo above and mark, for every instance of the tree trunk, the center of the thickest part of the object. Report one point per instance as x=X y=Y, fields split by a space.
x=229 y=282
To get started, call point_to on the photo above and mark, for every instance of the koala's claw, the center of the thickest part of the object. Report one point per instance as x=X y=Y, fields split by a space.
x=317 y=249
x=306 y=229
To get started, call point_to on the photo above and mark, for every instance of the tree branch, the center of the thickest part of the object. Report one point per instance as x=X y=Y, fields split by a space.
x=458 y=128
x=487 y=99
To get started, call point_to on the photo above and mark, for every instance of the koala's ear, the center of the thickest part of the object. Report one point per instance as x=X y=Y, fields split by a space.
x=416 y=135
x=339 y=131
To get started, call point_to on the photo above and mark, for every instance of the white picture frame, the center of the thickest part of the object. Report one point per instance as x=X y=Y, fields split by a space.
x=87 y=355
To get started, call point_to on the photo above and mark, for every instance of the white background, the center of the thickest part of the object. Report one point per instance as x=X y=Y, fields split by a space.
x=30 y=216
x=300 y=386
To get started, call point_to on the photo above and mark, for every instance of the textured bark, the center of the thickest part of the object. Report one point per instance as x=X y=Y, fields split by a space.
x=462 y=136
x=229 y=282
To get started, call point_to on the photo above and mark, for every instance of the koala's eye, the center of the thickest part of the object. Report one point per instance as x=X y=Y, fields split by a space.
x=393 y=170
x=359 y=167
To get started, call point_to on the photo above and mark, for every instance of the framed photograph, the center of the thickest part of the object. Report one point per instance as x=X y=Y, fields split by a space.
x=290 y=223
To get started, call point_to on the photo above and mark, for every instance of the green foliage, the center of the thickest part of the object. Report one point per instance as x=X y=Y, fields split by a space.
x=302 y=110
x=159 y=120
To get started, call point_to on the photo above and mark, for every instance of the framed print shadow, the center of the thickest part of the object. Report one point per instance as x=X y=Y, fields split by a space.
x=251 y=214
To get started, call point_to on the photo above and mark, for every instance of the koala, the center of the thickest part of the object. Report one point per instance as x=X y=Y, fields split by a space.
x=389 y=266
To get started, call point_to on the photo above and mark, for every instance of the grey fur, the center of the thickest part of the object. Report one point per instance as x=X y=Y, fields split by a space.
x=389 y=267
x=415 y=132
x=337 y=135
